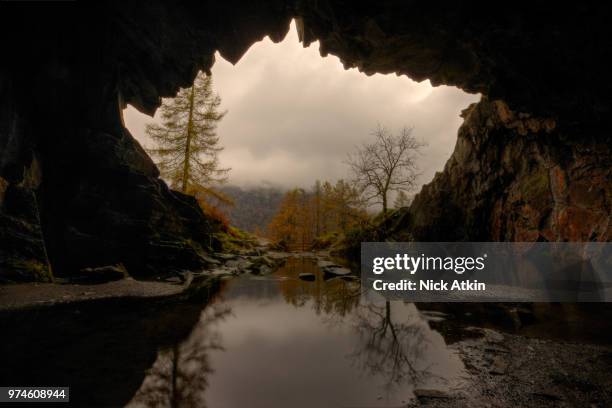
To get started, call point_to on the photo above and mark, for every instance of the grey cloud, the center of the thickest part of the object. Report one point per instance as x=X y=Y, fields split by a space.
x=293 y=116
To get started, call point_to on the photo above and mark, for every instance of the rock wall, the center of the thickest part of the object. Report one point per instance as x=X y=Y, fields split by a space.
x=515 y=177
x=23 y=253
x=542 y=57
x=87 y=195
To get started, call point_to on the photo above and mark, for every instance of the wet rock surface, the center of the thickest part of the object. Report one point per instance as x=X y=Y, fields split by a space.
x=114 y=281
x=102 y=274
x=28 y=295
x=526 y=354
x=512 y=370
x=332 y=270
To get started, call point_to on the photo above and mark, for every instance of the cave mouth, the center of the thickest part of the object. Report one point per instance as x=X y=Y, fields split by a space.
x=290 y=108
x=532 y=161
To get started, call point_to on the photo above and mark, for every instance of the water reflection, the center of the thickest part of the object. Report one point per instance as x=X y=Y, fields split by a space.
x=332 y=296
x=269 y=341
x=398 y=345
x=180 y=374
x=101 y=349
x=280 y=341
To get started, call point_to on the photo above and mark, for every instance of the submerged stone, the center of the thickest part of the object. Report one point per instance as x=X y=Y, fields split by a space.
x=309 y=277
x=423 y=393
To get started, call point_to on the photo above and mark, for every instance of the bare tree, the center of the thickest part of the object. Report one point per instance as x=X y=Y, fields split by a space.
x=385 y=165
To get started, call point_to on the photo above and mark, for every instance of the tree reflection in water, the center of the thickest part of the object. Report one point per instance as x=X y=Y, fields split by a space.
x=394 y=342
x=398 y=346
x=392 y=348
x=334 y=296
x=179 y=377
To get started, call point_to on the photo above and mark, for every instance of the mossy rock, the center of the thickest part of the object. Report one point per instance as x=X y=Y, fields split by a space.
x=236 y=240
x=27 y=270
x=535 y=189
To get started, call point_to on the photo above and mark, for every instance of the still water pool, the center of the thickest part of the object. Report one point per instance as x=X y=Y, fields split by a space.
x=279 y=341
x=268 y=341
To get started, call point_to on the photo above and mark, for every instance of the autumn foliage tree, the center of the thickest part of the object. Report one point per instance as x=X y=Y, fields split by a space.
x=305 y=215
x=187 y=144
x=340 y=207
x=293 y=222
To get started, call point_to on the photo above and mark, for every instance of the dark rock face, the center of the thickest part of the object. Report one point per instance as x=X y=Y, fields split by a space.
x=22 y=249
x=77 y=191
x=539 y=57
x=514 y=177
x=23 y=254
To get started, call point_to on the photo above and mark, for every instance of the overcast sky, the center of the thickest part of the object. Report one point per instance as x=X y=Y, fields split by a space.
x=293 y=115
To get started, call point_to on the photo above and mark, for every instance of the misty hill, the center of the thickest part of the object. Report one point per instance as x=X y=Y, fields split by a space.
x=254 y=207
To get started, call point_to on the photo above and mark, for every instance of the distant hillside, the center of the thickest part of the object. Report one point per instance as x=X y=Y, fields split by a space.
x=253 y=207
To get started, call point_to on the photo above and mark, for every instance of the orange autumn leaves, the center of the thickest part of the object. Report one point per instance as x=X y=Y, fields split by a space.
x=304 y=215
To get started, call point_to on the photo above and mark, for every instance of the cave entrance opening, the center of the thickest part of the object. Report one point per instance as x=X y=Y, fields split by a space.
x=293 y=115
